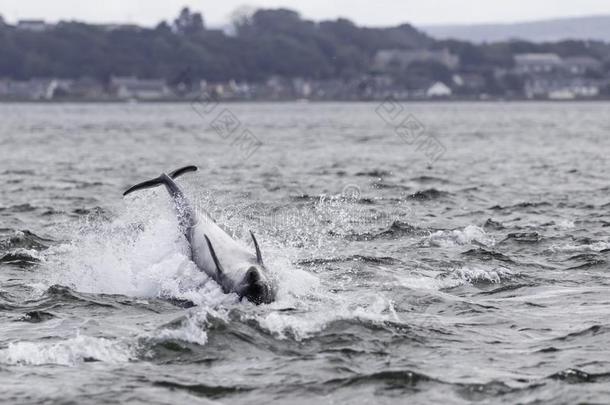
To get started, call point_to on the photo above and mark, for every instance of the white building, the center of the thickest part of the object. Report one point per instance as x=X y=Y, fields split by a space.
x=402 y=58
x=117 y=27
x=32 y=25
x=561 y=88
x=536 y=62
x=33 y=89
x=579 y=65
x=141 y=89
x=439 y=89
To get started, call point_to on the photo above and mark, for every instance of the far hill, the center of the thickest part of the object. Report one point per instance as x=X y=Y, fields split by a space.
x=578 y=28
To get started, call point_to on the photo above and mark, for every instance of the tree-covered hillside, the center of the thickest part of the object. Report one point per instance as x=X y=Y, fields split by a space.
x=268 y=42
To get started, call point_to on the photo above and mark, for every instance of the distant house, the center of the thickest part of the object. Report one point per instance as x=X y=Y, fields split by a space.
x=302 y=88
x=387 y=59
x=34 y=89
x=32 y=25
x=116 y=27
x=470 y=81
x=561 y=88
x=127 y=88
x=562 y=94
x=216 y=90
x=438 y=89
x=529 y=63
x=579 y=65
x=574 y=91
x=83 y=88
x=278 y=88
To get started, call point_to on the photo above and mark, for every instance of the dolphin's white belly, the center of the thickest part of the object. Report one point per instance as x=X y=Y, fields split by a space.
x=232 y=255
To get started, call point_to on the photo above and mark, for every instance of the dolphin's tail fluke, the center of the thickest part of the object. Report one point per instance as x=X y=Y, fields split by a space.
x=179 y=172
x=145 y=184
x=161 y=180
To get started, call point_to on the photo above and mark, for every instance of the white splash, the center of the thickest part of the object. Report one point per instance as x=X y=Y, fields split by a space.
x=589 y=247
x=318 y=315
x=565 y=224
x=479 y=274
x=458 y=237
x=141 y=253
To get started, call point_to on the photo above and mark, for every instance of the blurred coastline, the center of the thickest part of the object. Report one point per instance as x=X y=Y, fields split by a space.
x=276 y=55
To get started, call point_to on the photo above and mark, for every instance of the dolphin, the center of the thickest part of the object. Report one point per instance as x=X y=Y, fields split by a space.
x=234 y=267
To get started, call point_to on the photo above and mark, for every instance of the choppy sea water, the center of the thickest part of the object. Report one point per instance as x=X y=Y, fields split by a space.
x=480 y=275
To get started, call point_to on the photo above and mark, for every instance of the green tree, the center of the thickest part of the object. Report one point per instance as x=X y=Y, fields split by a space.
x=188 y=23
x=422 y=74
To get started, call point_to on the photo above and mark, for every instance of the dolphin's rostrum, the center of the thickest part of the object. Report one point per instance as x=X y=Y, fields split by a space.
x=235 y=268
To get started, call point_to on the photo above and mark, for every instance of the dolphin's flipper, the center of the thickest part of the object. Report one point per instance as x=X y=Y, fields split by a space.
x=219 y=270
x=259 y=256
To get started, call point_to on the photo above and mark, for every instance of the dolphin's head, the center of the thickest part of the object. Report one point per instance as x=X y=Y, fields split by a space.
x=256 y=286
x=250 y=279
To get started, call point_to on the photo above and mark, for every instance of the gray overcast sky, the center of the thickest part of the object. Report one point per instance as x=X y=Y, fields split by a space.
x=365 y=12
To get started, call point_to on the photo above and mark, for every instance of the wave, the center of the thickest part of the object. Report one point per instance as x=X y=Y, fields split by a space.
x=20 y=208
x=429 y=194
x=321 y=199
x=396 y=229
x=344 y=259
x=21 y=248
x=586 y=261
x=93 y=212
x=42 y=299
x=384 y=185
x=586 y=246
x=374 y=173
x=484 y=391
x=36 y=317
x=399 y=228
x=590 y=331
x=523 y=237
x=492 y=224
x=208 y=391
x=21 y=258
x=23 y=240
x=331 y=315
x=68 y=352
x=506 y=288
x=430 y=179
x=59 y=293
x=521 y=205
x=487 y=255
x=394 y=378
x=575 y=376
x=190 y=328
x=476 y=275
x=22 y=172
